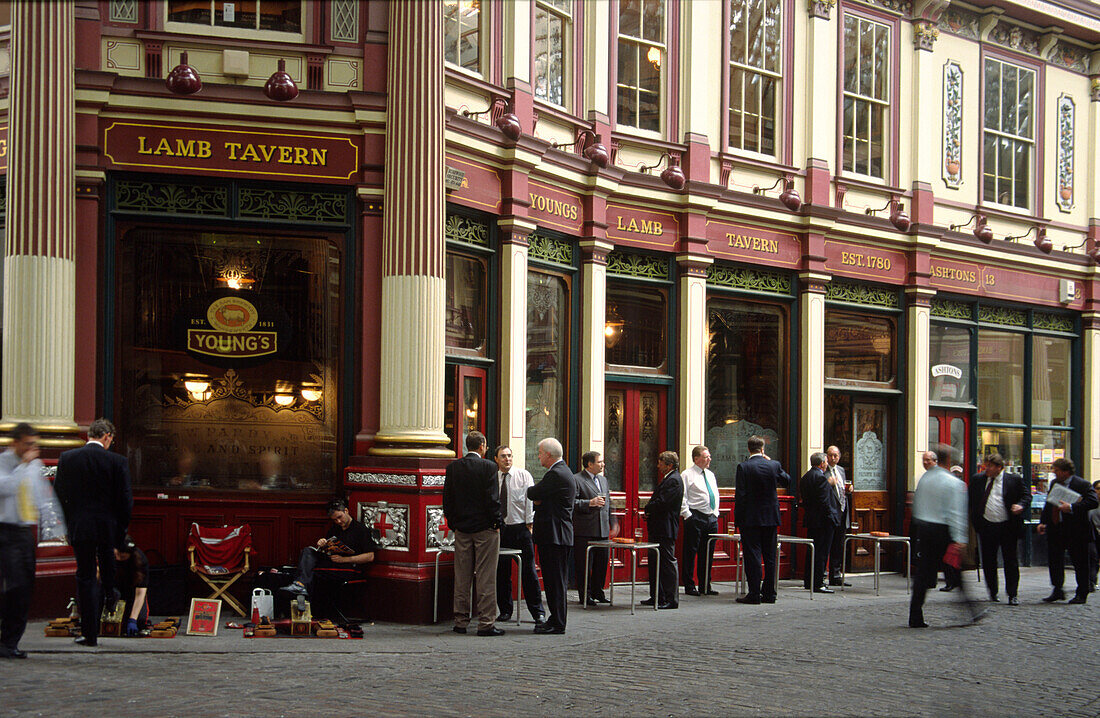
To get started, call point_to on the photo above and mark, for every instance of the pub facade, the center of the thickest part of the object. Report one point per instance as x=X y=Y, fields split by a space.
x=634 y=225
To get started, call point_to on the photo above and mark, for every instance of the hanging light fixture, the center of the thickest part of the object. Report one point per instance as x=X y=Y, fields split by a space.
x=183 y=80
x=1041 y=242
x=672 y=175
x=281 y=86
x=789 y=196
x=593 y=151
x=898 y=217
x=613 y=327
x=981 y=230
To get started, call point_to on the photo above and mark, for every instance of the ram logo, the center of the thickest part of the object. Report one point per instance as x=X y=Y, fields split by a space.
x=232 y=314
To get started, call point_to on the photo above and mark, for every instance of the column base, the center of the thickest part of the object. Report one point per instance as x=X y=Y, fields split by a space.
x=50 y=436
x=431 y=447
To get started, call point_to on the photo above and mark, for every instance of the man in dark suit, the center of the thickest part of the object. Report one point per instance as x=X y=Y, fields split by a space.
x=93 y=487
x=662 y=517
x=997 y=503
x=822 y=518
x=553 y=530
x=471 y=504
x=838 y=480
x=756 y=515
x=1067 y=528
x=591 y=522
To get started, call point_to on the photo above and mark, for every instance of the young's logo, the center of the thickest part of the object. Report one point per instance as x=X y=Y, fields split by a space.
x=232 y=314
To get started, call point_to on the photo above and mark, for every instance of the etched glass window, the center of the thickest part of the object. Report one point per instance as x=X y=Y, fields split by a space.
x=641 y=58
x=866 y=95
x=756 y=62
x=345 y=20
x=462 y=33
x=547 y=363
x=1009 y=135
x=949 y=358
x=123 y=11
x=553 y=29
x=273 y=15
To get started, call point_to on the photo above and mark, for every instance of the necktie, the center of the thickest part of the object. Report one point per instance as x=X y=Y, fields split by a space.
x=504 y=497
x=988 y=491
x=28 y=512
x=710 y=491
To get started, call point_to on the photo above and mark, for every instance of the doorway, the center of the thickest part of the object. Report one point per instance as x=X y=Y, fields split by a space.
x=634 y=435
x=951 y=427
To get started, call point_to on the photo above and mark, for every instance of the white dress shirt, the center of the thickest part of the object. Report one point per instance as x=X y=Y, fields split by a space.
x=519 y=510
x=995 y=511
x=696 y=495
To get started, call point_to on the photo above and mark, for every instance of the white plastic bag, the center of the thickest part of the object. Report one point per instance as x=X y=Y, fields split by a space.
x=263 y=604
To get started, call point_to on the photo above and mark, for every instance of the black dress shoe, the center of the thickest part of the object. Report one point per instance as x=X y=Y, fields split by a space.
x=459 y=629
x=918 y=624
x=6 y=652
x=1077 y=599
x=839 y=583
x=669 y=606
x=85 y=641
x=711 y=592
x=748 y=599
x=647 y=602
x=504 y=617
x=1055 y=595
x=947 y=589
x=994 y=599
x=490 y=631
x=767 y=599
x=1013 y=601
x=547 y=629
x=599 y=598
x=691 y=591
x=823 y=589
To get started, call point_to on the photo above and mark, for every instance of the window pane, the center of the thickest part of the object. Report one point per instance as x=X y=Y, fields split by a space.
x=627 y=104
x=949 y=358
x=773 y=49
x=849 y=130
x=866 y=57
x=189 y=11
x=653 y=21
x=752 y=119
x=1009 y=443
x=863 y=133
x=628 y=64
x=649 y=70
x=736 y=78
x=239 y=13
x=466 y=312
x=878 y=139
x=635 y=327
x=745 y=380
x=755 y=55
x=541 y=52
x=1008 y=99
x=630 y=14
x=767 y=121
x=1000 y=376
x=989 y=171
x=851 y=54
x=1024 y=112
x=1004 y=172
x=649 y=111
x=858 y=348
x=547 y=365
x=470 y=40
x=281 y=15
x=992 y=95
x=882 y=62
x=738 y=41
x=1022 y=174
x=1046 y=446
x=1050 y=381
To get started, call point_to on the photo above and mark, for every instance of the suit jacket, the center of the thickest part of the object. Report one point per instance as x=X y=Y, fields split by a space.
x=846 y=502
x=662 y=513
x=554 y=513
x=819 y=501
x=93 y=487
x=1077 y=523
x=471 y=495
x=1014 y=490
x=755 y=501
x=588 y=520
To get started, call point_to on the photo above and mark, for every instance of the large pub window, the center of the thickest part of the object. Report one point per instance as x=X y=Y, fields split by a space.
x=641 y=57
x=755 y=66
x=866 y=95
x=1008 y=133
x=283 y=16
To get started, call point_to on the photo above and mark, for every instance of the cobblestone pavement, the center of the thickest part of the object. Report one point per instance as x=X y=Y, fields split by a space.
x=844 y=654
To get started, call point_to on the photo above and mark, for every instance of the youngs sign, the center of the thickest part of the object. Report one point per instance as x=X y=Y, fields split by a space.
x=233 y=329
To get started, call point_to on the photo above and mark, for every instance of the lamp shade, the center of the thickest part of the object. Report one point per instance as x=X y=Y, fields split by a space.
x=983 y=231
x=183 y=80
x=1042 y=243
x=510 y=126
x=281 y=86
x=673 y=176
x=597 y=154
x=790 y=197
x=899 y=218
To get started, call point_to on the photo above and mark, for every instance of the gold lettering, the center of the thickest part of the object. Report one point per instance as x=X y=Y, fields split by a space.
x=250 y=153
x=300 y=155
x=204 y=149
x=185 y=149
x=232 y=147
x=268 y=151
x=319 y=157
x=752 y=244
x=284 y=155
x=163 y=148
x=552 y=206
x=142 y=149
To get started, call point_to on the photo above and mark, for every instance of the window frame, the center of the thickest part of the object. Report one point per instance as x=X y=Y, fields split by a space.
x=483 y=27
x=783 y=127
x=891 y=125
x=570 y=58
x=212 y=30
x=668 y=116
x=1036 y=161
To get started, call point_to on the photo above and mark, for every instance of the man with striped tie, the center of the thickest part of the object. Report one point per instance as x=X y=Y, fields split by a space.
x=700 y=511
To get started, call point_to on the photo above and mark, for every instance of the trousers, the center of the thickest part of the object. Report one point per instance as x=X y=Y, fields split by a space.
x=476 y=562
x=17 y=573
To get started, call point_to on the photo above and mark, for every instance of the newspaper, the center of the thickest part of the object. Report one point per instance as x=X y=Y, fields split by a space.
x=1059 y=493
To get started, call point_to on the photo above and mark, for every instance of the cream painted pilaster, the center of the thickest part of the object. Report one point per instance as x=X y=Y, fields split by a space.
x=593 y=342
x=597 y=55
x=916 y=379
x=693 y=341
x=39 y=364
x=513 y=331
x=811 y=390
x=926 y=148
x=1090 y=433
x=701 y=72
x=819 y=60
x=517 y=42
x=1092 y=150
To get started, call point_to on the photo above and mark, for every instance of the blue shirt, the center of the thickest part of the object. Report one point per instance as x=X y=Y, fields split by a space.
x=941 y=499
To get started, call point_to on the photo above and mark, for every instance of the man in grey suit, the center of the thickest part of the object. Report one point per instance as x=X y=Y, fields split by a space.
x=553 y=531
x=838 y=482
x=591 y=522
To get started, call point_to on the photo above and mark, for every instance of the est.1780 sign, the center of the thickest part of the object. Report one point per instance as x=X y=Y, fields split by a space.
x=232 y=328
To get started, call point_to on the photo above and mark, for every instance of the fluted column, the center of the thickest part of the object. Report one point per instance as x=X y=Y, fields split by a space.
x=811 y=397
x=413 y=258
x=593 y=343
x=694 y=341
x=917 y=381
x=513 y=330
x=39 y=239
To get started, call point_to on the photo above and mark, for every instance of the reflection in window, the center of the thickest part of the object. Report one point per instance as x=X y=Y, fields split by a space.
x=634 y=327
x=553 y=28
x=641 y=53
x=274 y=15
x=1000 y=376
x=746 y=374
x=1046 y=446
x=1008 y=135
x=1050 y=381
x=466 y=294
x=227 y=368
x=462 y=33
x=949 y=357
x=547 y=362
x=866 y=95
x=859 y=348
x=756 y=56
x=1009 y=443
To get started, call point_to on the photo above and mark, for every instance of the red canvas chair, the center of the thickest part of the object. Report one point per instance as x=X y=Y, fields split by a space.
x=219 y=555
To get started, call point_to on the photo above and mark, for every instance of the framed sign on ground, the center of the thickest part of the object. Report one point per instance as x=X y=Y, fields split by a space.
x=204 y=616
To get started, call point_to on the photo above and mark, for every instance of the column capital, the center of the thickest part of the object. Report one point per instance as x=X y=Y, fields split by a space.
x=1090 y=321
x=515 y=230
x=595 y=251
x=693 y=265
x=814 y=282
x=920 y=296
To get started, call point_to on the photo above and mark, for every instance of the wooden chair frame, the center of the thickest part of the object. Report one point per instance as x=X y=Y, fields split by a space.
x=220 y=583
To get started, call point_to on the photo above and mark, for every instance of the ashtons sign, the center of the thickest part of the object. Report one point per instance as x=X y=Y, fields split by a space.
x=241 y=152
x=230 y=329
x=947 y=370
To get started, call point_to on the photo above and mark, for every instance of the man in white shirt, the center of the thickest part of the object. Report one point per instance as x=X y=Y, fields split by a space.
x=517 y=513
x=700 y=511
x=834 y=472
x=997 y=502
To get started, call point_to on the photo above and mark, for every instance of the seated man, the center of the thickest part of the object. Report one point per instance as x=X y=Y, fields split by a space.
x=132 y=579
x=348 y=545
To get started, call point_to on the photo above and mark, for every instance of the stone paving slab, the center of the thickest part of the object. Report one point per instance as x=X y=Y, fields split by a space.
x=848 y=653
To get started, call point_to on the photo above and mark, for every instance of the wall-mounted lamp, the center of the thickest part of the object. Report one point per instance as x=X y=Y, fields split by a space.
x=673 y=176
x=898 y=217
x=1041 y=242
x=982 y=230
x=183 y=80
x=507 y=123
x=199 y=389
x=1094 y=253
x=311 y=393
x=593 y=151
x=789 y=196
x=281 y=86
x=612 y=327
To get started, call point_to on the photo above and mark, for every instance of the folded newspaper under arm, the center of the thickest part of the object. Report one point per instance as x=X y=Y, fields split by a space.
x=1059 y=493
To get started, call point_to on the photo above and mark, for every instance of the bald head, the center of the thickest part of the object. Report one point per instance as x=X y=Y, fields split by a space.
x=928 y=458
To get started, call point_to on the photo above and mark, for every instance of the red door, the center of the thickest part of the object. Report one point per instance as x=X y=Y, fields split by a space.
x=952 y=428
